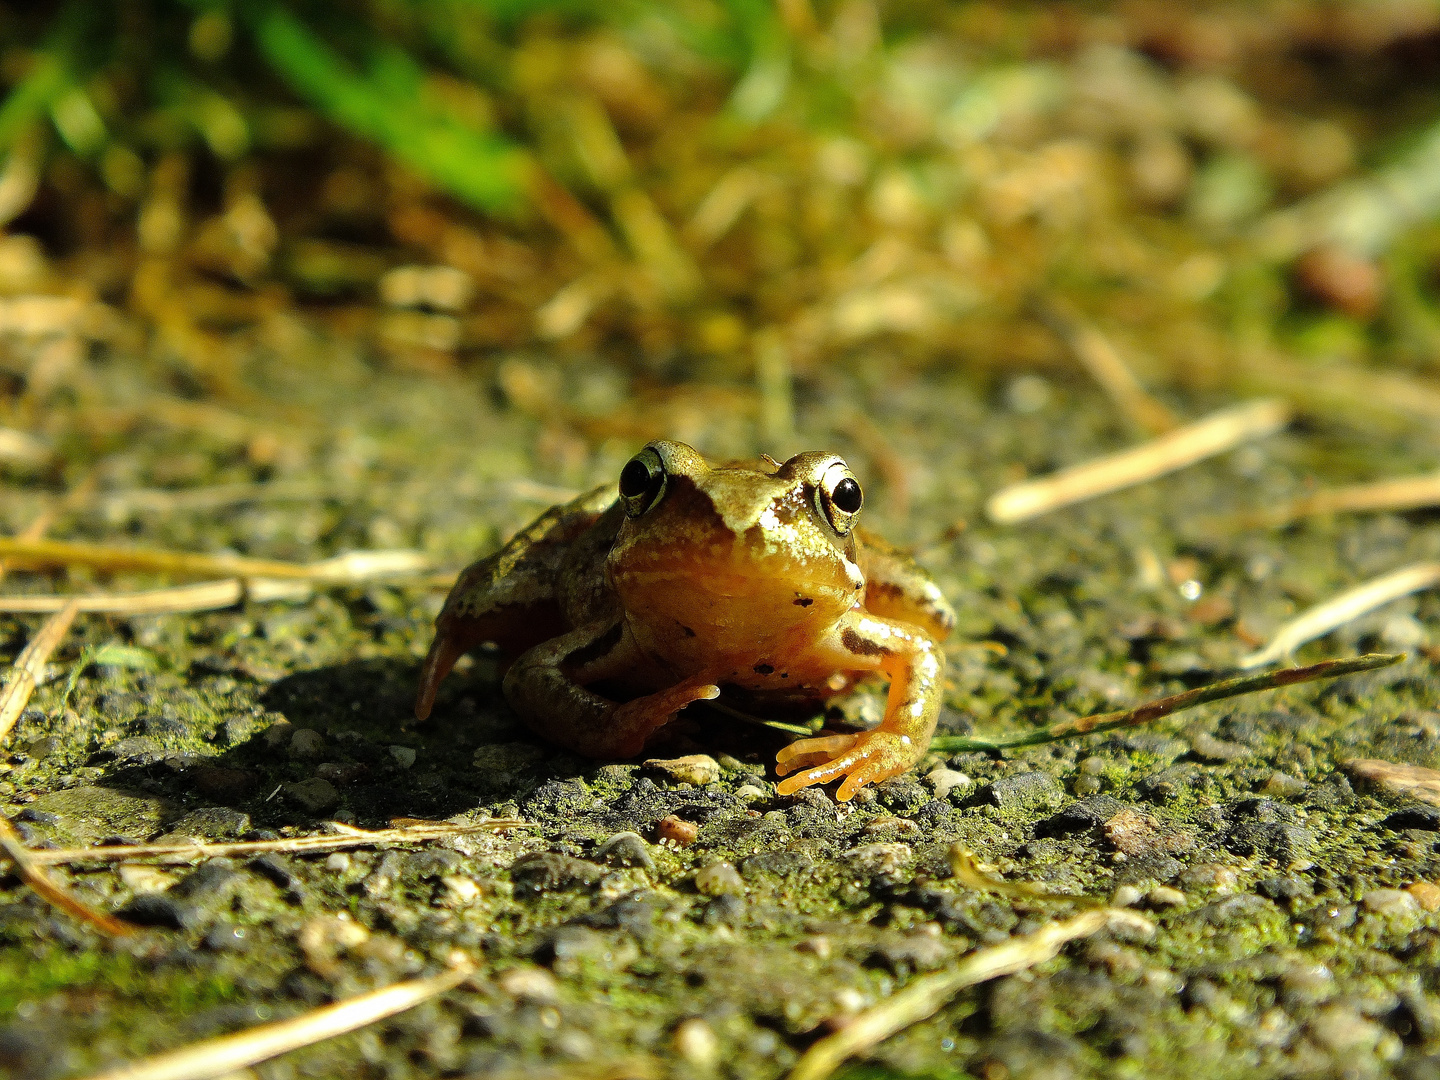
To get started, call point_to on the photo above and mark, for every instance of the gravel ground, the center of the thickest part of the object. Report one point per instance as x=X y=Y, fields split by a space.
x=1295 y=933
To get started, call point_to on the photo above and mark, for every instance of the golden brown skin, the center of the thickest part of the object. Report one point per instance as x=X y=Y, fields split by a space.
x=695 y=579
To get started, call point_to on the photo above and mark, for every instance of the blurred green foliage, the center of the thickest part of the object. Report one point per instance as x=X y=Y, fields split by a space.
x=209 y=69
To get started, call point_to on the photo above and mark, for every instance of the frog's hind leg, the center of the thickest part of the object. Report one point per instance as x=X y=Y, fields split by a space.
x=547 y=687
x=514 y=628
x=509 y=598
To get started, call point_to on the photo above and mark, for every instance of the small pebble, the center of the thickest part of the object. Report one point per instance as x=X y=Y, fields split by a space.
x=1283 y=785
x=819 y=945
x=1390 y=778
x=278 y=734
x=457 y=891
x=626 y=849
x=307 y=742
x=696 y=1044
x=314 y=795
x=1210 y=877
x=697 y=769
x=879 y=858
x=404 y=755
x=139 y=878
x=1426 y=894
x=945 y=781
x=1165 y=896
x=1087 y=785
x=891 y=824
x=719 y=879
x=338 y=862
x=1341 y=1030
x=1125 y=896
x=677 y=831
x=1390 y=903
x=1341 y=280
x=530 y=984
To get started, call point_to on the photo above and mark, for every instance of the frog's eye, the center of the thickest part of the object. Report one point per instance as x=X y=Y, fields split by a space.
x=840 y=497
x=641 y=482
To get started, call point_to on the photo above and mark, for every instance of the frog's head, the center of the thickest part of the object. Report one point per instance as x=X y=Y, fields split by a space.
x=736 y=554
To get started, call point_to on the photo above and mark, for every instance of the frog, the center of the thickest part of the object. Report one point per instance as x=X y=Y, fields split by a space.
x=613 y=612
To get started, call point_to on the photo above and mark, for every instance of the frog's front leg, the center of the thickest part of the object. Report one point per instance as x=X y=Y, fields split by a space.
x=916 y=667
x=548 y=687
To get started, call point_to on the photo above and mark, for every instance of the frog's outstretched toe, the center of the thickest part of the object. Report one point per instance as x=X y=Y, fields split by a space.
x=861 y=759
x=453 y=639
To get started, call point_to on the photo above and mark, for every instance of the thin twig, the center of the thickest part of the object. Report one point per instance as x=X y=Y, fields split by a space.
x=40 y=882
x=1215 y=434
x=350 y=838
x=1405 y=493
x=928 y=995
x=206 y=596
x=1107 y=367
x=1154 y=710
x=30 y=665
x=353 y=566
x=34 y=531
x=1339 y=610
x=229 y=1053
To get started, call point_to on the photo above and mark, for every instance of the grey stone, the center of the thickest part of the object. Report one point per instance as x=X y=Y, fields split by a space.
x=160 y=909
x=404 y=755
x=136 y=750
x=780 y=864
x=208 y=823
x=1209 y=748
x=1025 y=791
x=94 y=813
x=626 y=849
x=314 y=795
x=1281 y=843
x=306 y=743
x=549 y=872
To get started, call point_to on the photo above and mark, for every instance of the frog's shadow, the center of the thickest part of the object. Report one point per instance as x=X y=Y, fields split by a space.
x=363 y=712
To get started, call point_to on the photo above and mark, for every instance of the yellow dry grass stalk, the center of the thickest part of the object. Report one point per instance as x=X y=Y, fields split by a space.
x=1402 y=493
x=40 y=882
x=1339 y=610
x=1184 y=446
x=354 y=566
x=1099 y=356
x=927 y=995
x=30 y=665
x=229 y=1053
x=346 y=837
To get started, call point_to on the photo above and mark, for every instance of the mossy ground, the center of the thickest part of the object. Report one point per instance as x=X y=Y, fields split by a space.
x=1266 y=967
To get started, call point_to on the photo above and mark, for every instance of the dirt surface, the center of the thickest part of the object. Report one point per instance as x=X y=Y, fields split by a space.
x=1285 y=944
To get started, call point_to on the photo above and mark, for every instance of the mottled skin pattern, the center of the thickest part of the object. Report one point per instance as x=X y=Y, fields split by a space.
x=751 y=578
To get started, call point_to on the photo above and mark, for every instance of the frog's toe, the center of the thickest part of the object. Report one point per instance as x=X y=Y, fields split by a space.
x=865 y=759
x=804 y=753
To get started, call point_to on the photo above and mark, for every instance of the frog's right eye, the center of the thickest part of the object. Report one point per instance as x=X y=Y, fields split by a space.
x=641 y=482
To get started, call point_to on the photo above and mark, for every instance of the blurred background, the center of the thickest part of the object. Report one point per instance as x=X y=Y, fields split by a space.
x=403 y=256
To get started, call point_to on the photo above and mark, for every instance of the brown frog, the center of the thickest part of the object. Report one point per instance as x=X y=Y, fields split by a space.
x=617 y=613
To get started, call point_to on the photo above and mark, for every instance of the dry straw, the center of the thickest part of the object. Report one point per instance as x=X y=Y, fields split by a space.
x=1174 y=450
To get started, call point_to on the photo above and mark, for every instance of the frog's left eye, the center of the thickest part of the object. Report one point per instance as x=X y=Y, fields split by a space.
x=641 y=482
x=840 y=497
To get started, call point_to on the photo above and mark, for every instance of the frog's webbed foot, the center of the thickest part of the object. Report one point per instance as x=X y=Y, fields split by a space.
x=861 y=759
